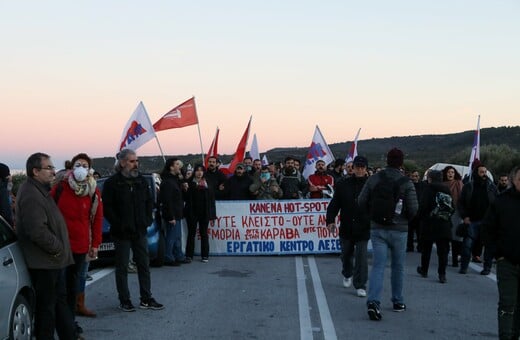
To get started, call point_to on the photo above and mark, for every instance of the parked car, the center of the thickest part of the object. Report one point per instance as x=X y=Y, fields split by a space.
x=16 y=294
x=154 y=233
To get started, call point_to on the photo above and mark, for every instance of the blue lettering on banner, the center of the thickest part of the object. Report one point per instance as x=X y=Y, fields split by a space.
x=329 y=245
x=250 y=247
x=292 y=246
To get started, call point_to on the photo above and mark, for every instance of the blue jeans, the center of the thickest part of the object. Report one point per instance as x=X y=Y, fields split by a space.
x=467 y=244
x=173 y=250
x=382 y=241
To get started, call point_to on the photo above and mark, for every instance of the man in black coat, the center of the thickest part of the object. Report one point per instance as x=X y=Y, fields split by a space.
x=501 y=230
x=354 y=229
x=127 y=204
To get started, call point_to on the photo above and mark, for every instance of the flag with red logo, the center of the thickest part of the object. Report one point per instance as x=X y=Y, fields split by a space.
x=352 y=153
x=475 y=149
x=182 y=115
x=319 y=150
x=213 y=149
x=138 y=130
x=229 y=168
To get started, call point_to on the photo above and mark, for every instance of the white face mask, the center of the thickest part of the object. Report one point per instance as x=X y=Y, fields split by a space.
x=9 y=186
x=80 y=173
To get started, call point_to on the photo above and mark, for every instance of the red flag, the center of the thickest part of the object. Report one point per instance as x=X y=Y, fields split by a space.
x=180 y=116
x=229 y=169
x=213 y=149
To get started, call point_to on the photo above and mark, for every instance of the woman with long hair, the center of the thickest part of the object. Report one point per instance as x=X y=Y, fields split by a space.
x=452 y=178
x=199 y=211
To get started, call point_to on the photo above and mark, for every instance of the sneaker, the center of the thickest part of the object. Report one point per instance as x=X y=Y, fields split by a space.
x=374 y=313
x=88 y=278
x=132 y=268
x=187 y=260
x=151 y=304
x=347 y=282
x=361 y=292
x=205 y=260
x=399 y=307
x=485 y=272
x=442 y=279
x=126 y=306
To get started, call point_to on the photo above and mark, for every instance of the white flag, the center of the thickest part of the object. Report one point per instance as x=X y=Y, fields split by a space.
x=138 y=130
x=475 y=149
x=265 y=161
x=319 y=150
x=254 y=149
x=352 y=153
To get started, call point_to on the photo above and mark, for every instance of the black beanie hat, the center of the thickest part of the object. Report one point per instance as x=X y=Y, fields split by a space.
x=4 y=171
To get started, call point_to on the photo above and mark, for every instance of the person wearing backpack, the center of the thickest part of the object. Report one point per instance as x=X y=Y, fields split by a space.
x=385 y=196
x=435 y=210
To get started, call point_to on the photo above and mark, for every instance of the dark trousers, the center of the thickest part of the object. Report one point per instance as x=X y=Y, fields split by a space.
x=139 y=248
x=508 y=281
x=443 y=248
x=456 y=250
x=413 y=229
x=192 y=232
x=51 y=310
x=357 y=251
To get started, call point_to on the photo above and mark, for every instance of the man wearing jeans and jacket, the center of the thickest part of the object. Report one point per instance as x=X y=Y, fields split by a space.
x=389 y=236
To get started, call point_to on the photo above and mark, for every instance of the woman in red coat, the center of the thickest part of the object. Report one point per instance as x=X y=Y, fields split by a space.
x=80 y=204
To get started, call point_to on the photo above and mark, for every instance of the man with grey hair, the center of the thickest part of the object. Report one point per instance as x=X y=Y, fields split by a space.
x=128 y=204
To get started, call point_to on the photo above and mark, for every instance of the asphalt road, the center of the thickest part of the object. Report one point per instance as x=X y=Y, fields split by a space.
x=291 y=297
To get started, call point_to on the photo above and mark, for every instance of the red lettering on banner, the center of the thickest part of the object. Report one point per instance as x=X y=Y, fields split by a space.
x=224 y=222
x=262 y=221
x=325 y=233
x=265 y=207
x=223 y=234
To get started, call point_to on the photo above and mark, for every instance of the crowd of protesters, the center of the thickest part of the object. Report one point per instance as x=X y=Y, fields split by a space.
x=63 y=231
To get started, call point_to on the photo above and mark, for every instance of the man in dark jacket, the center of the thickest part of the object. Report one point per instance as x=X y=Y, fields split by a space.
x=44 y=240
x=354 y=229
x=291 y=180
x=128 y=204
x=215 y=178
x=237 y=186
x=475 y=198
x=390 y=235
x=172 y=207
x=501 y=229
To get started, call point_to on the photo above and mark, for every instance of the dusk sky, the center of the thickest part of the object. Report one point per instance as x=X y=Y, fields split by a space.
x=74 y=71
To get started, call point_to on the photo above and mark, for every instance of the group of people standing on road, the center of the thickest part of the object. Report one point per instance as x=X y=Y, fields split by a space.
x=443 y=210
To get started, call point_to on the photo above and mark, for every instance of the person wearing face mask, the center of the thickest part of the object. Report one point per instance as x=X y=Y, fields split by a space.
x=6 y=185
x=79 y=201
x=265 y=187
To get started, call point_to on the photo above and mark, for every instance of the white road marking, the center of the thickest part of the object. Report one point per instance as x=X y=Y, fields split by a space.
x=99 y=274
x=479 y=268
x=329 y=332
x=303 y=301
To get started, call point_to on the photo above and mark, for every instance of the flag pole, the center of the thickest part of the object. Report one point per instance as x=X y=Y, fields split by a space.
x=160 y=148
x=198 y=128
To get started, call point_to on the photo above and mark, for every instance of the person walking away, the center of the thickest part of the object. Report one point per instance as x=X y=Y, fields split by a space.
x=80 y=204
x=354 y=228
x=414 y=224
x=501 y=230
x=475 y=198
x=128 y=203
x=435 y=210
x=199 y=210
x=386 y=195
x=44 y=241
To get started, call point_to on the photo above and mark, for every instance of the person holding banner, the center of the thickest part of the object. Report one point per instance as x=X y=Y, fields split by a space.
x=354 y=229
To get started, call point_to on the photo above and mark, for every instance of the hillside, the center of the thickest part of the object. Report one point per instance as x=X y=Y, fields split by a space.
x=421 y=151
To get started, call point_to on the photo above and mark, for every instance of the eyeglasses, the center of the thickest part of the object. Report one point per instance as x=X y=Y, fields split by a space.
x=48 y=167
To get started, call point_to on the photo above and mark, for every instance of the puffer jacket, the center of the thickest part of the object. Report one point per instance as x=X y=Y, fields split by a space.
x=128 y=205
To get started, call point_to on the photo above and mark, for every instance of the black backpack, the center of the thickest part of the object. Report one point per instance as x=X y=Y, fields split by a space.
x=385 y=197
x=443 y=208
